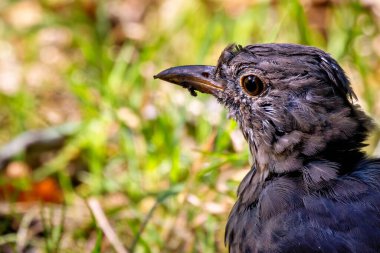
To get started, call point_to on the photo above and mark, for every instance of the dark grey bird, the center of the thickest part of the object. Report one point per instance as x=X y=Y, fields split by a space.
x=311 y=188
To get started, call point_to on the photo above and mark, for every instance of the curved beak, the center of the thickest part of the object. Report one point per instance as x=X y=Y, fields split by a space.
x=192 y=77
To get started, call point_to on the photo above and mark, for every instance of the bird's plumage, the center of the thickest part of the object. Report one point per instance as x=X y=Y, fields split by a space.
x=311 y=188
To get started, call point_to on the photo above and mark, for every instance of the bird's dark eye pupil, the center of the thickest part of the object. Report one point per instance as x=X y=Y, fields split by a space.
x=253 y=85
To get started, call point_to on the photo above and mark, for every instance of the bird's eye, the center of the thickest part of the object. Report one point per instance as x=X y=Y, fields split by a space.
x=252 y=84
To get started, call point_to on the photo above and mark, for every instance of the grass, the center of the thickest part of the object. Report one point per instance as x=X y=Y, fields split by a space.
x=164 y=165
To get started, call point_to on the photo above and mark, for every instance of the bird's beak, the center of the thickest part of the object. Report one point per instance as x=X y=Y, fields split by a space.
x=193 y=77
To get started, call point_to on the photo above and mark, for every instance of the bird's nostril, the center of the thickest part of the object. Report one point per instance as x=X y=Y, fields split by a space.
x=205 y=74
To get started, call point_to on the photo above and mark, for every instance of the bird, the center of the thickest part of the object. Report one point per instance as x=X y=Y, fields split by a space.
x=311 y=187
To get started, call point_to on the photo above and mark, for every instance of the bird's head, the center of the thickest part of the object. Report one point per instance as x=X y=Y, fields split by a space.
x=293 y=103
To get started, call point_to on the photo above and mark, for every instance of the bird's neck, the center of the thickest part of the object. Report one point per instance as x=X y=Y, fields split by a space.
x=311 y=173
x=311 y=157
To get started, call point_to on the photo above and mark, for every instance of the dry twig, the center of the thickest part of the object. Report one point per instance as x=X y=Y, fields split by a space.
x=103 y=223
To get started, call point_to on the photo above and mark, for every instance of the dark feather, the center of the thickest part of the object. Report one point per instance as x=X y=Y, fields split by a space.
x=321 y=194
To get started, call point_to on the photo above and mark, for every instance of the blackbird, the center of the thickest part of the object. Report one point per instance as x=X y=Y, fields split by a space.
x=311 y=188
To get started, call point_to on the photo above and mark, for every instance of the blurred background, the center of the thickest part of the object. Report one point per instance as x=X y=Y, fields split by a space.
x=96 y=156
